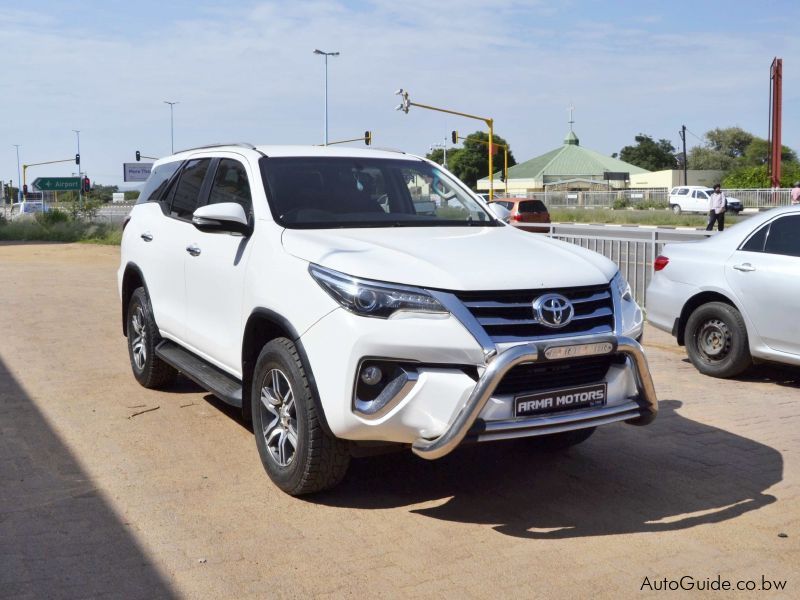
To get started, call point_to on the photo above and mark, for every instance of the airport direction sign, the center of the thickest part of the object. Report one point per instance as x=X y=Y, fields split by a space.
x=57 y=184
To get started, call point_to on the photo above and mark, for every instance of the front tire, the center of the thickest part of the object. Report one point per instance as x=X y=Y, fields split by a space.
x=716 y=340
x=143 y=337
x=676 y=209
x=297 y=454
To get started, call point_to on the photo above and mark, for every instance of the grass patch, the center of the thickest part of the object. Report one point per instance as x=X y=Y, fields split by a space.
x=73 y=231
x=632 y=217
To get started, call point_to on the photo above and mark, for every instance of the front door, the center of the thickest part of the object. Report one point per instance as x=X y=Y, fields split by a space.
x=215 y=275
x=765 y=274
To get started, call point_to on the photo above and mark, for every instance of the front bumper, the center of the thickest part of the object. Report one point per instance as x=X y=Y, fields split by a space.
x=639 y=409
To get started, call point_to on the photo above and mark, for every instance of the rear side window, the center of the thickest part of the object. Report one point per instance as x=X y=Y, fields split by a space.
x=680 y=192
x=157 y=182
x=756 y=241
x=187 y=194
x=532 y=206
x=231 y=184
x=784 y=236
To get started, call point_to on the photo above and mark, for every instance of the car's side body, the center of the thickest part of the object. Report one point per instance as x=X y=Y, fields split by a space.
x=739 y=268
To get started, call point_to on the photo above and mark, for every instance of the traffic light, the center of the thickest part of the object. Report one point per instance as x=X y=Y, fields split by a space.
x=454 y=136
x=87 y=185
x=25 y=190
x=368 y=137
x=77 y=159
x=138 y=156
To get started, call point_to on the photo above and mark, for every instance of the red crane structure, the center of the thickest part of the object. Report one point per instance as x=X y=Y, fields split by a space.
x=775 y=110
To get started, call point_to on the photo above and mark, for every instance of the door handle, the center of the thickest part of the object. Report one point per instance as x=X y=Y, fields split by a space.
x=746 y=267
x=193 y=250
x=147 y=236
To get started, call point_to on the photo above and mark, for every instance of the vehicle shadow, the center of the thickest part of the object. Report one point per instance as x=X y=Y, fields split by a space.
x=773 y=373
x=674 y=474
x=58 y=536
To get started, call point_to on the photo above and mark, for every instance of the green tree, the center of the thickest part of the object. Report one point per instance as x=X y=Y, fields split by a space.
x=471 y=162
x=703 y=157
x=731 y=141
x=748 y=176
x=649 y=154
x=757 y=153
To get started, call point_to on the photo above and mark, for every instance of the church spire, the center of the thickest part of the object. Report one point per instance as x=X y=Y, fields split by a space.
x=571 y=139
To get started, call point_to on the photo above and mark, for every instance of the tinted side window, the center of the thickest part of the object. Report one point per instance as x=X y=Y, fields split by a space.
x=532 y=206
x=231 y=184
x=756 y=241
x=681 y=191
x=157 y=182
x=784 y=236
x=188 y=191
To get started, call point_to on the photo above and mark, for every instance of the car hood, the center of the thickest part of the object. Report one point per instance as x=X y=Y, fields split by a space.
x=452 y=258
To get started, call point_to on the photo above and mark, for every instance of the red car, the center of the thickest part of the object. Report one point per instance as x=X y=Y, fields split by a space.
x=525 y=213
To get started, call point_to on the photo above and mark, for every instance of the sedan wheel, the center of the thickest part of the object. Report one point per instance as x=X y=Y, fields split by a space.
x=716 y=340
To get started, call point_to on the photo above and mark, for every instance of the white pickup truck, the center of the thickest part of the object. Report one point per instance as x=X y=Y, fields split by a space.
x=302 y=285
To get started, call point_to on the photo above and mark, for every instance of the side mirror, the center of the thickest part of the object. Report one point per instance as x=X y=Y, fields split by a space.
x=500 y=211
x=225 y=217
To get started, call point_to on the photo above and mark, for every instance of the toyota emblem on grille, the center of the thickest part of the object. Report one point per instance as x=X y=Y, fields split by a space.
x=553 y=310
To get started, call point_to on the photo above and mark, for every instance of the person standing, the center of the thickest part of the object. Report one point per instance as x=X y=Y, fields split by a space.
x=796 y=193
x=716 y=209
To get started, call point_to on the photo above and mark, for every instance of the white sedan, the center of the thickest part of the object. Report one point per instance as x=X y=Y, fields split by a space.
x=733 y=297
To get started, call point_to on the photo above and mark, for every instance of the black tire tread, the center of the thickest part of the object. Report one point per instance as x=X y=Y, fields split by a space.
x=741 y=359
x=328 y=457
x=156 y=373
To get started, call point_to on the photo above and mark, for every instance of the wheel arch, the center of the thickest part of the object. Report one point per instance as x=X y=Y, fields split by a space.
x=693 y=303
x=131 y=280
x=264 y=325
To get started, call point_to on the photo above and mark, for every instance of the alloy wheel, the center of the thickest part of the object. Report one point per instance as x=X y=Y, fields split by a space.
x=279 y=417
x=139 y=338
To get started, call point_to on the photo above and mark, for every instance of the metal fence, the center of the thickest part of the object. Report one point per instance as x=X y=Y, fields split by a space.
x=633 y=251
x=750 y=198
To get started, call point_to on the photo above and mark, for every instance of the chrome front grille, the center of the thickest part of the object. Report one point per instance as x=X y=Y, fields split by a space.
x=507 y=316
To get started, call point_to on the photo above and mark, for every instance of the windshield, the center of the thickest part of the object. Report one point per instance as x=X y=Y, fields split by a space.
x=327 y=192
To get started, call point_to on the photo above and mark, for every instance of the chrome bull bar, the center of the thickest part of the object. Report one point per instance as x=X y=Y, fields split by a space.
x=535 y=352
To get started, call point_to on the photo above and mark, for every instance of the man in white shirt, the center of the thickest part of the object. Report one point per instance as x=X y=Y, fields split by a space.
x=716 y=209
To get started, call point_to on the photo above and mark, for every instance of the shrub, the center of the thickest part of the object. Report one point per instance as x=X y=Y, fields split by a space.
x=621 y=203
x=51 y=217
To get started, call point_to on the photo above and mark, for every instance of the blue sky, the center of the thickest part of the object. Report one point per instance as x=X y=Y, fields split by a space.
x=245 y=71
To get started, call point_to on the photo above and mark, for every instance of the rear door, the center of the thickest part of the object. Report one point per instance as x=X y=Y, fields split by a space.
x=765 y=274
x=169 y=301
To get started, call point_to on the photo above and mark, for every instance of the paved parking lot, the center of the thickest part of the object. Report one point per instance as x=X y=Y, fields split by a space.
x=174 y=503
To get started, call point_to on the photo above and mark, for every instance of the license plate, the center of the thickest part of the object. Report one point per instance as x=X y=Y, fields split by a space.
x=584 y=396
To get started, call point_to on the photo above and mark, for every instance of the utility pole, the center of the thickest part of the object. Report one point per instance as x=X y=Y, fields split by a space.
x=171 y=125
x=775 y=117
x=326 y=55
x=685 y=158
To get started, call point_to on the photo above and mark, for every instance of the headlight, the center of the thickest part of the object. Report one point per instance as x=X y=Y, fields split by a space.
x=623 y=286
x=372 y=298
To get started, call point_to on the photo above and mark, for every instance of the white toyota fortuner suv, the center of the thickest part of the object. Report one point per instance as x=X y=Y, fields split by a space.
x=303 y=285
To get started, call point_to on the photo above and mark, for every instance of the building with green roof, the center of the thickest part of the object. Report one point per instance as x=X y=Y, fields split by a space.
x=569 y=167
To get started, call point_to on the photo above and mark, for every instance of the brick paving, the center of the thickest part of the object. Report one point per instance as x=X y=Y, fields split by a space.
x=174 y=502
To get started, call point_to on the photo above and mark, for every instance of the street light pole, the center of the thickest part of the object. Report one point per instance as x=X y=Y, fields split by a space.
x=171 y=126
x=19 y=177
x=326 y=55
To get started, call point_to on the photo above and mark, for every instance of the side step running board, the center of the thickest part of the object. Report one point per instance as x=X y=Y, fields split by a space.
x=224 y=386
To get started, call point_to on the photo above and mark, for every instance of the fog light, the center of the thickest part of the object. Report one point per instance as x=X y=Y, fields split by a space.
x=371 y=375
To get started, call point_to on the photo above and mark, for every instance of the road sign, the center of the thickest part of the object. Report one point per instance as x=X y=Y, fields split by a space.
x=57 y=184
x=137 y=171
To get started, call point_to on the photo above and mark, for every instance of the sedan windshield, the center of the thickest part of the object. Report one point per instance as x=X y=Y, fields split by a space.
x=326 y=192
